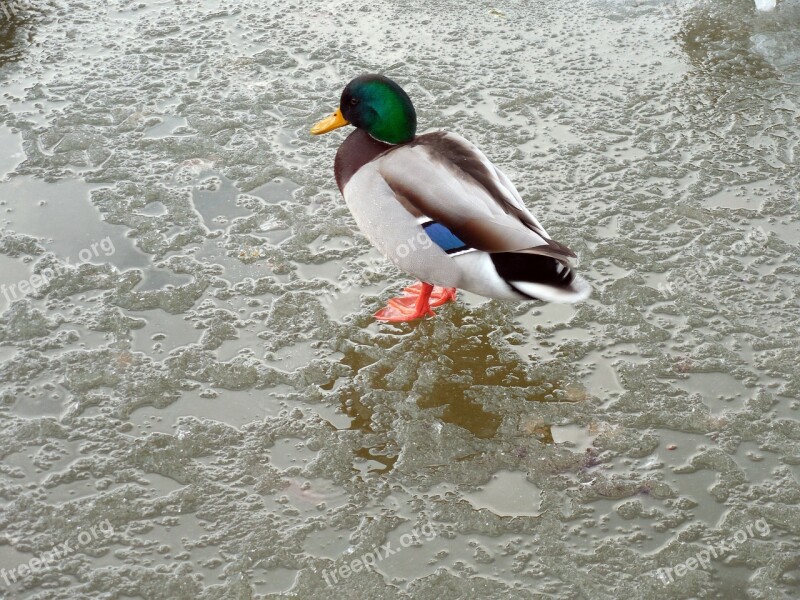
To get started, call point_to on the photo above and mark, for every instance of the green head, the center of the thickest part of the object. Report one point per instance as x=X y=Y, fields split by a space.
x=377 y=105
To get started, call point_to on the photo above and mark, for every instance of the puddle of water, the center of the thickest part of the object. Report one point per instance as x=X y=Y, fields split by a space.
x=507 y=494
x=61 y=216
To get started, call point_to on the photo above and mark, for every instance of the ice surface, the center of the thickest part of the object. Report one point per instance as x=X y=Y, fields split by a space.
x=217 y=390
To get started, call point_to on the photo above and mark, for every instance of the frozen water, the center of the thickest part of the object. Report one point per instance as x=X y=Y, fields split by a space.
x=186 y=347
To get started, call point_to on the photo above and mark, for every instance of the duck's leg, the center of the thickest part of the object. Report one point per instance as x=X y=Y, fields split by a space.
x=439 y=295
x=415 y=303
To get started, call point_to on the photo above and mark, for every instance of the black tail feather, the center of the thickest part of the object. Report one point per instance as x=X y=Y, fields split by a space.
x=519 y=266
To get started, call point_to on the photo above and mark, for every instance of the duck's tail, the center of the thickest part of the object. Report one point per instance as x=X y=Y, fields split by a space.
x=540 y=277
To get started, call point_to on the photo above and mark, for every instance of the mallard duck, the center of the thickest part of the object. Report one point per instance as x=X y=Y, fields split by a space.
x=436 y=207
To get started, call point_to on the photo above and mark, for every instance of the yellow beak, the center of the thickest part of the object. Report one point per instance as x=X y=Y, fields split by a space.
x=335 y=121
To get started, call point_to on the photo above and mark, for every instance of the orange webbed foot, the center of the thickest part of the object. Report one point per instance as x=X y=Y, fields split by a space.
x=415 y=303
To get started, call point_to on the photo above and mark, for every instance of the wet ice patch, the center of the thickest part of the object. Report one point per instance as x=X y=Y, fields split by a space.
x=506 y=494
x=13 y=154
x=780 y=48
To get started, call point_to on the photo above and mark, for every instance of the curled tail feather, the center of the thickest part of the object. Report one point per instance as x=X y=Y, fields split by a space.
x=540 y=277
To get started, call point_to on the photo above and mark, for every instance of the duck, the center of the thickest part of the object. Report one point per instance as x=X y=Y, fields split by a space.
x=437 y=208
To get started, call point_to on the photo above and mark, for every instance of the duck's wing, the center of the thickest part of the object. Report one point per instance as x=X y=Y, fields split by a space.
x=443 y=177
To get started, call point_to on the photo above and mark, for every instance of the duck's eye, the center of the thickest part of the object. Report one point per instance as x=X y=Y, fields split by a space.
x=353 y=101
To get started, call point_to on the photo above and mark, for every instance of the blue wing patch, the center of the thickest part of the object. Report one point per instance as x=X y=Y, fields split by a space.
x=444 y=238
